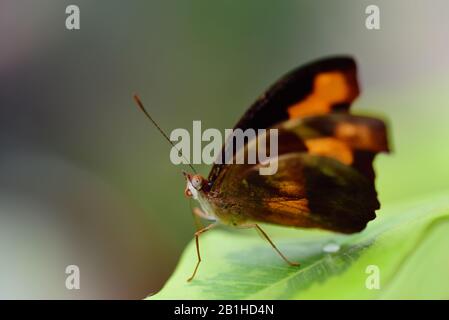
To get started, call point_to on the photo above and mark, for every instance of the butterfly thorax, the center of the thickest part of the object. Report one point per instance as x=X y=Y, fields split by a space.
x=214 y=205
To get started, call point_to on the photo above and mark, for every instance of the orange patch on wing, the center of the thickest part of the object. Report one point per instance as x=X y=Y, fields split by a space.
x=330 y=147
x=356 y=134
x=294 y=207
x=289 y=188
x=362 y=137
x=329 y=88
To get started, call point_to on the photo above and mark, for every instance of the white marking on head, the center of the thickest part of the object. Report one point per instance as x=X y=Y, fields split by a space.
x=192 y=190
x=197 y=182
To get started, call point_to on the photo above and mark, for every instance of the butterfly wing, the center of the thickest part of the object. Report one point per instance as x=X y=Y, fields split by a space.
x=353 y=140
x=325 y=177
x=324 y=86
x=307 y=191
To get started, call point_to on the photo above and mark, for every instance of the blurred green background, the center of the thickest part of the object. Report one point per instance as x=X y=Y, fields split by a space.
x=85 y=179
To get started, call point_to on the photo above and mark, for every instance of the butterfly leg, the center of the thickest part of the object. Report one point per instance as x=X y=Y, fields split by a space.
x=197 y=237
x=197 y=213
x=260 y=230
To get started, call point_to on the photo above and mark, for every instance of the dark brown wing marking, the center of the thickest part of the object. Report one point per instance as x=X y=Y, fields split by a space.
x=353 y=140
x=307 y=191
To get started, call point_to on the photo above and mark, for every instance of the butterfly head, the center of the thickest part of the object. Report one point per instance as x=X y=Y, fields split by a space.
x=196 y=184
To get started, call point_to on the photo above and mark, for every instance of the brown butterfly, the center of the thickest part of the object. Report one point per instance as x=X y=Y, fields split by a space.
x=325 y=176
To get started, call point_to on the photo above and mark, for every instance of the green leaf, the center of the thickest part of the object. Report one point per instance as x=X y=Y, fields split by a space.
x=407 y=243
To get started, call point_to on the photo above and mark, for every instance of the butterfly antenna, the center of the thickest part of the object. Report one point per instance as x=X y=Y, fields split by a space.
x=140 y=105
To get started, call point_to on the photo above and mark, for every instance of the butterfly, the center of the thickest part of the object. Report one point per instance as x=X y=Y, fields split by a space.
x=325 y=176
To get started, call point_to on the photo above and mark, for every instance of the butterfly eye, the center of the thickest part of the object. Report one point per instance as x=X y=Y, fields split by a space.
x=197 y=182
